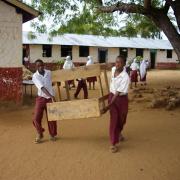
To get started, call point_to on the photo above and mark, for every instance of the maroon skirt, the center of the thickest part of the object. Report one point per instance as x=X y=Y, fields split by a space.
x=143 y=79
x=71 y=82
x=134 y=76
x=118 y=115
x=91 y=79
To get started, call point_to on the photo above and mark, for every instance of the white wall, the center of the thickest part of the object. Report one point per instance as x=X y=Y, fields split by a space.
x=112 y=54
x=10 y=36
x=162 y=57
x=36 y=52
x=131 y=54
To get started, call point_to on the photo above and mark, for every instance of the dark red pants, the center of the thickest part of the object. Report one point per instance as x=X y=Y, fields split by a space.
x=81 y=85
x=118 y=115
x=38 y=115
x=134 y=76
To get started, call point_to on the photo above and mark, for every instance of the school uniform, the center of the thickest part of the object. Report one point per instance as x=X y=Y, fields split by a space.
x=134 y=72
x=68 y=64
x=41 y=101
x=143 y=70
x=91 y=79
x=81 y=85
x=119 y=109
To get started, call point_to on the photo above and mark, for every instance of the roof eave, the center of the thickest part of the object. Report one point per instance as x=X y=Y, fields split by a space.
x=28 y=12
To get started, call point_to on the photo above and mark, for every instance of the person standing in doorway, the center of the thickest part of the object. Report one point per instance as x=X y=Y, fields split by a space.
x=42 y=80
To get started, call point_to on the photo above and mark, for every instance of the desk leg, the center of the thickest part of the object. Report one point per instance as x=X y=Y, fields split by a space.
x=25 y=88
x=31 y=90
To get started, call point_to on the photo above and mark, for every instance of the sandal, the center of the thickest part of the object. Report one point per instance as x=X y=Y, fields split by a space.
x=38 y=139
x=121 y=138
x=114 y=149
x=53 y=138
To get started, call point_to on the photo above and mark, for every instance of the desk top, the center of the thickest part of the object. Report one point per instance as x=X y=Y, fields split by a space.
x=28 y=82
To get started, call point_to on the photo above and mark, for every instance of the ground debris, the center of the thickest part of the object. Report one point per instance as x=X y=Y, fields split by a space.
x=167 y=97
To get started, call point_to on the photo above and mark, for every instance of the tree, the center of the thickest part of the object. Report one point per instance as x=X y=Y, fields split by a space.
x=158 y=13
x=145 y=17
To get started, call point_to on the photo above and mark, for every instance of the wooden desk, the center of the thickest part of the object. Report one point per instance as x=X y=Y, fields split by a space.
x=28 y=83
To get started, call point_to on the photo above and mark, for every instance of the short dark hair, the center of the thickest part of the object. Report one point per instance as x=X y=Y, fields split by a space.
x=39 y=61
x=122 y=57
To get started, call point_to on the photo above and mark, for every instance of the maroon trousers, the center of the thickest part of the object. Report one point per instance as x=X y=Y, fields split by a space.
x=134 y=76
x=118 y=115
x=81 y=85
x=38 y=115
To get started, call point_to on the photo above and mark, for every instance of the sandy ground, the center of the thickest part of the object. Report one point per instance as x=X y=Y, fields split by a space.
x=151 y=150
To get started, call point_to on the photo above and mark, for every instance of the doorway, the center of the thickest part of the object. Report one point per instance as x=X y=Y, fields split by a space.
x=153 y=58
x=102 y=55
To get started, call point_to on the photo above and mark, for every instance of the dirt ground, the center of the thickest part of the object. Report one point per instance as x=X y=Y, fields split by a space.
x=151 y=150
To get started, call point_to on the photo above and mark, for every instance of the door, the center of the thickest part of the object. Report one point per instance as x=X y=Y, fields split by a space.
x=153 y=58
x=102 y=55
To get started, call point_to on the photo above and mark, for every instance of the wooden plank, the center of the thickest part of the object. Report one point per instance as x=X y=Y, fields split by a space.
x=103 y=98
x=77 y=109
x=101 y=90
x=67 y=90
x=106 y=80
x=58 y=90
x=75 y=73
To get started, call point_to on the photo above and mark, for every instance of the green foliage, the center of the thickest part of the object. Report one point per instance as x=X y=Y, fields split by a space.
x=60 y=62
x=81 y=17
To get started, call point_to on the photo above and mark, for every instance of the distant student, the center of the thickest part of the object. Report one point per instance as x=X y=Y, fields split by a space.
x=143 y=71
x=81 y=85
x=118 y=102
x=134 y=73
x=127 y=67
x=68 y=64
x=91 y=79
x=42 y=80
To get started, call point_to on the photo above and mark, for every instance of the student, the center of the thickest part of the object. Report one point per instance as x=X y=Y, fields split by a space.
x=91 y=79
x=134 y=73
x=68 y=64
x=127 y=67
x=81 y=85
x=118 y=102
x=42 y=80
x=143 y=71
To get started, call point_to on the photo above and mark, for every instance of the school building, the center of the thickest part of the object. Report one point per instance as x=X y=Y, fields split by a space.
x=12 y=14
x=102 y=49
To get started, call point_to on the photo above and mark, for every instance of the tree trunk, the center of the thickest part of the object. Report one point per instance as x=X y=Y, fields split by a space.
x=158 y=16
x=164 y=23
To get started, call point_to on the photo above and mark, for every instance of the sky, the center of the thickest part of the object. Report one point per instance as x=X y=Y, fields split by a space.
x=27 y=26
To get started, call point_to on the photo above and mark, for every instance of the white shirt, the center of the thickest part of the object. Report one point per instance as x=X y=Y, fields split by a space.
x=134 y=66
x=89 y=62
x=119 y=83
x=43 y=81
x=68 y=65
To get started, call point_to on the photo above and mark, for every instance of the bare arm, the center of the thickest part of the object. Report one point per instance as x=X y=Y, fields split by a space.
x=111 y=103
x=45 y=91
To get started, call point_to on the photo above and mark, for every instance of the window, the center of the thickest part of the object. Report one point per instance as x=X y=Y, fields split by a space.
x=83 y=51
x=66 y=51
x=123 y=52
x=139 y=52
x=169 y=53
x=47 y=50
